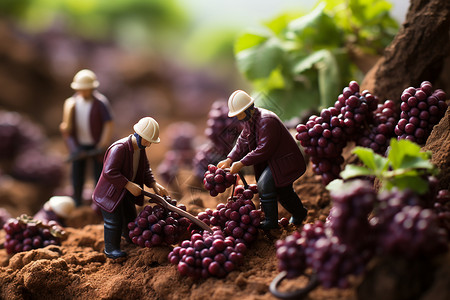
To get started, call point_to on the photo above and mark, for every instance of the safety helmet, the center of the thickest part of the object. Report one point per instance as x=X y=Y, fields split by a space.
x=148 y=129
x=84 y=80
x=238 y=102
x=61 y=205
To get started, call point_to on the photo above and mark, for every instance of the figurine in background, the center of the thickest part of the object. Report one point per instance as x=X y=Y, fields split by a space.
x=125 y=170
x=86 y=126
x=57 y=209
x=266 y=144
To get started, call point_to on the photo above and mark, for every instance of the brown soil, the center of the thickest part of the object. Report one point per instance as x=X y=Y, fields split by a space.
x=79 y=269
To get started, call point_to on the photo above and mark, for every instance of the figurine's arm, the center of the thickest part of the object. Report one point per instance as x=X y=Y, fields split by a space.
x=106 y=135
x=66 y=125
x=133 y=188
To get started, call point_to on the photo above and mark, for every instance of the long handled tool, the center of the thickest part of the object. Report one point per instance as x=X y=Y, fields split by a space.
x=160 y=200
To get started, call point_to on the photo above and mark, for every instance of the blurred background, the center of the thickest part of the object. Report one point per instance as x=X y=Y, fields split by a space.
x=172 y=60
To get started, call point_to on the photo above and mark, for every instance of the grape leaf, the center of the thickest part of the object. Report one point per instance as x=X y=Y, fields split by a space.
x=371 y=159
x=405 y=167
x=249 y=40
x=402 y=148
x=413 y=182
x=352 y=171
x=259 y=61
x=316 y=30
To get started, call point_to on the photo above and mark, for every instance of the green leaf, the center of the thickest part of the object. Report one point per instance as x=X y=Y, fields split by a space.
x=279 y=24
x=352 y=171
x=259 y=61
x=329 y=78
x=413 y=182
x=335 y=185
x=286 y=103
x=315 y=30
x=402 y=150
x=411 y=162
x=372 y=160
x=249 y=40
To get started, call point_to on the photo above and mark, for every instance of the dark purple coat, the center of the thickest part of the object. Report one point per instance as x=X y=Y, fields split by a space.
x=117 y=171
x=99 y=115
x=266 y=141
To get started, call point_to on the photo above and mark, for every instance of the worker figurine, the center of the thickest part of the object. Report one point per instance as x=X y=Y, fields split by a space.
x=125 y=170
x=57 y=209
x=266 y=144
x=86 y=126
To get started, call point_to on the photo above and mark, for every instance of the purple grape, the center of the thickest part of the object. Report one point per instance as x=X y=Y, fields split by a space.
x=423 y=111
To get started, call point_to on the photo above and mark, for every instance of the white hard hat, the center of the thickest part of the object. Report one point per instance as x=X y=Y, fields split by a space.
x=62 y=205
x=238 y=102
x=148 y=129
x=84 y=80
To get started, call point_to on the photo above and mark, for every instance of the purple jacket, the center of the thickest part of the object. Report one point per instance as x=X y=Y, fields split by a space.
x=266 y=141
x=99 y=115
x=117 y=171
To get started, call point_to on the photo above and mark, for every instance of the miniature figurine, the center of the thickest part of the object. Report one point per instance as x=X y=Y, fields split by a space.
x=57 y=209
x=266 y=144
x=86 y=126
x=125 y=170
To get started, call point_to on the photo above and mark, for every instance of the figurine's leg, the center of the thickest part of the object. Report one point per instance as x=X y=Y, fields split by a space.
x=78 y=177
x=113 y=231
x=291 y=202
x=129 y=215
x=268 y=198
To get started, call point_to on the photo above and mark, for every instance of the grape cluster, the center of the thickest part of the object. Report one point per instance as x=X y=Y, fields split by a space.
x=334 y=261
x=442 y=208
x=400 y=224
x=208 y=254
x=17 y=134
x=221 y=129
x=24 y=234
x=349 y=215
x=325 y=136
x=238 y=218
x=316 y=247
x=421 y=109
x=34 y=166
x=22 y=147
x=404 y=227
x=222 y=133
x=155 y=226
x=379 y=132
x=181 y=153
x=217 y=180
x=354 y=107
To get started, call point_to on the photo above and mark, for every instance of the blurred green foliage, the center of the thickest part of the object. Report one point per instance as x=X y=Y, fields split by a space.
x=128 y=21
x=302 y=63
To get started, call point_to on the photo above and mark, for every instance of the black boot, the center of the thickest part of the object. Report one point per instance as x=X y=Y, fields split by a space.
x=112 y=244
x=292 y=203
x=270 y=208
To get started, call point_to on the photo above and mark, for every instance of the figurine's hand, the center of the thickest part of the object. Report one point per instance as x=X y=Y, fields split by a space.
x=236 y=167
x=64 y=128
x=133 y=188
x=159 y=189
x=226 y=163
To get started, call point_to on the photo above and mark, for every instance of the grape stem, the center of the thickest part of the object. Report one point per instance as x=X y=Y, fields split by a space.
x=160 y=200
